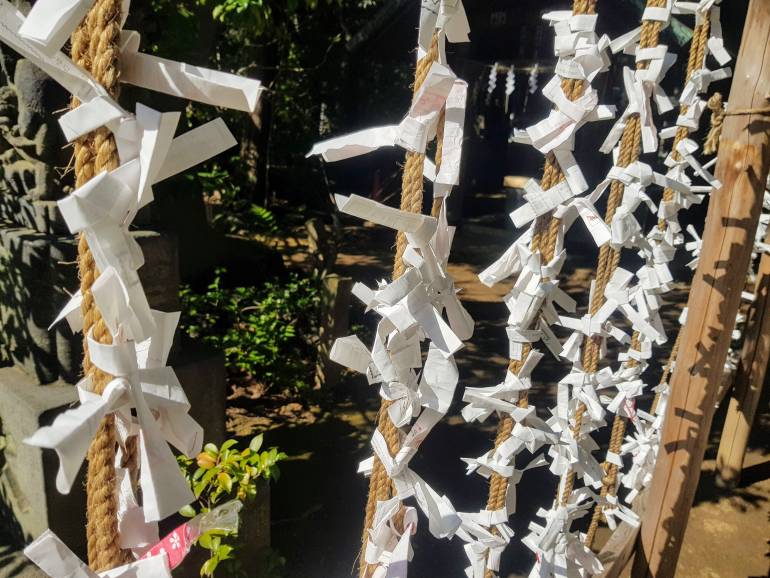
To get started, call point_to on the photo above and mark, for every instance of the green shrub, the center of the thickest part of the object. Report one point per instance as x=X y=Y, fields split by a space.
x=219 y=474
x=268 y=334
x=234 y=212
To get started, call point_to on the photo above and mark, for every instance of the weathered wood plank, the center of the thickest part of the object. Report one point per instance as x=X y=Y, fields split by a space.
x=731 y=223
x=749 y=379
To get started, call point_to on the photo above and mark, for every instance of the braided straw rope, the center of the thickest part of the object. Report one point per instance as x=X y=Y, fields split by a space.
x=616 y=440
x=412 y=180
x=543 y=240
x=717 y=108
x=438 y=202
x=380 y=486
x=695 y=61
x=718 y=114
x=609 y=258
x=95 y=48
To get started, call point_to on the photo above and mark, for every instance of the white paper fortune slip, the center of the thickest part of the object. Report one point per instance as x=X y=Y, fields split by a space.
x=50 y=23
x=147 y=386
x=415 y=130
x=145 y=397
x=534 y=303
x=184 y=80
x=117 y=295
x=54 y=558
x=420 y=227
x=658 y=249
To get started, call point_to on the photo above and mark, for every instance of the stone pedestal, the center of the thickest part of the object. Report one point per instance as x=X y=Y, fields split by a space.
x=201 y=371
x=35 y=270
x=28 y=475
x=29 y=501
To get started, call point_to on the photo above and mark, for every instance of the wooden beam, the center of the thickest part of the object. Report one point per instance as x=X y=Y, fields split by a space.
x=749 y=379
x=733 y=213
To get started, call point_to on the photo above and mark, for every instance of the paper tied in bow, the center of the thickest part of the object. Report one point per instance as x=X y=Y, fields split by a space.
x=560 y=552
x=104 y=207
x=486 y=534
x=574 y=452
x=441 y=89
x=142 y=383
x=412 y=308
x=483 y=401
x=388 y=547
x=448 y=18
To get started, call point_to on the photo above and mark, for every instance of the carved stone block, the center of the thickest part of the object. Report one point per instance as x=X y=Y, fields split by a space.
x=37 y=274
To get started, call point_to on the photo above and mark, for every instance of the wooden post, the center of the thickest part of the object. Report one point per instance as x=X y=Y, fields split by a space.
x=733 y=213
x=334 y=323
x=749 y=378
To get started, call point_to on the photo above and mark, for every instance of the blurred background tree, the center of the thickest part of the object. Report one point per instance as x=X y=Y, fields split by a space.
x=297 y=48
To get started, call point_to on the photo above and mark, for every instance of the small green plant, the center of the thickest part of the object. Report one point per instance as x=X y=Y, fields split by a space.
x=223 y=473
x=235 y=213
x=268 y=334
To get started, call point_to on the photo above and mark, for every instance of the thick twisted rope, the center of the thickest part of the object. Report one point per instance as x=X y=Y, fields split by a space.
x=95 y=47
x=380 y=486
x=438 y=202
x=716 y=106
x=609 y=258
x=697 y=56
x=610 y=479
x=412 y=179
x=718 y=114
x=543 y=240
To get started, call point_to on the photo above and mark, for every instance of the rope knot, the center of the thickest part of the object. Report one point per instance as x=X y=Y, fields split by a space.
x=717 y=108
x=716 y=102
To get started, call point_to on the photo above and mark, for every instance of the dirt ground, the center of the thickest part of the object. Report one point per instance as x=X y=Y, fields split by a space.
x=318 y=503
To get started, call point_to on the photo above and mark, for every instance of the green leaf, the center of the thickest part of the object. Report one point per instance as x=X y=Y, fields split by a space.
x=198 y=489
x=188 y=511
x=228 y=444
x=225 y=481
x=204 y=540
x=211 y=449
x=209 y=567
x=256 y=443
x=203 y=484
x=209 y=475
x=224 y=551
